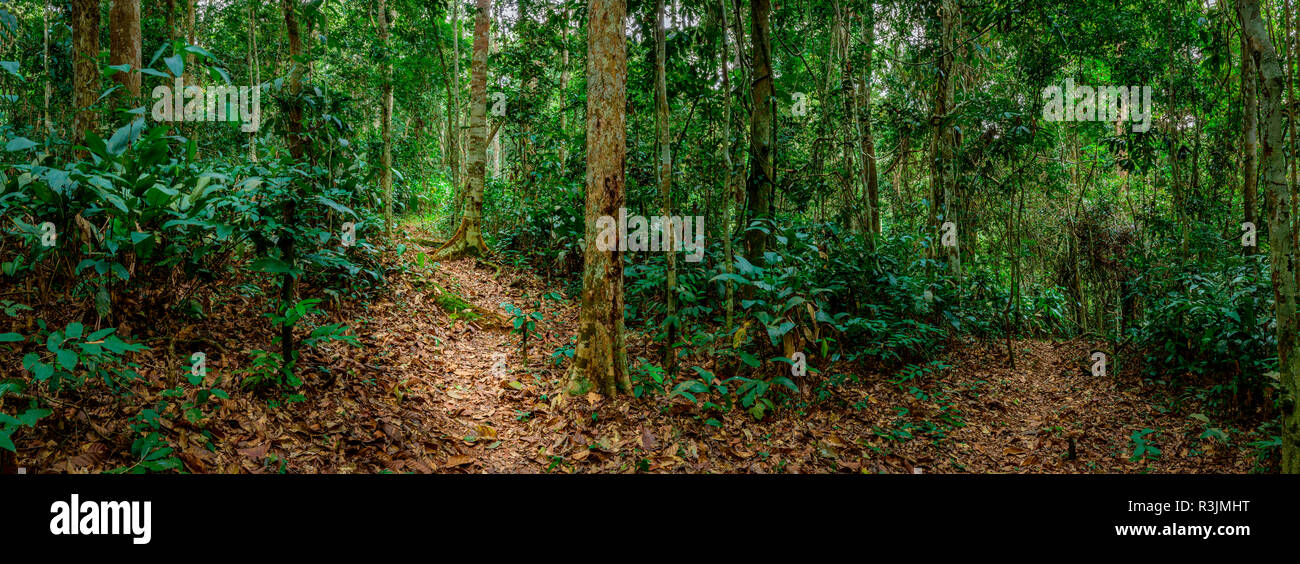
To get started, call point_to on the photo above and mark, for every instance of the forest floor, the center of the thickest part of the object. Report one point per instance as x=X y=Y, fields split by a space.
x=431 y=391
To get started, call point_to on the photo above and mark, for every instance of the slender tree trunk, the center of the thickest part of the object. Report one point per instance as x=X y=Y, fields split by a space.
x=294 y=137
x=191 y=31
x=942 y=168
x=1249 y=141
x=468 y=239
x=296 y=142
x=45 y=58
x=664 y=142
x=386 y=117
x=454 y=132
x=600 y=361
x=1293 y=51
x=564 y=91
x=254 y=73
x=730 y=195
x=762 y=131
x=85 y=70
x=1282 y=252
x=868 y=141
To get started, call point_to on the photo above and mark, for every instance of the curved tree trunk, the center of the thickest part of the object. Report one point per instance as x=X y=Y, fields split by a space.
x=600 y=362
x=468 y=239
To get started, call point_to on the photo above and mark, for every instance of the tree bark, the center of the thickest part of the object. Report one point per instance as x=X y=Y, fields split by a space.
x=124 y=38
x=942 y=167
x=294 y=137
x=1249 y=142
x=664 y=142
x=386 y=117
x=730 y=194
x=564 y=92
x=454 y=132
x=45 y=58
x=468 y=239
x=1282 y=253
x=600 y=361
x=762 y=132
x=85 y=70
x=868 y=140
x=254 y=73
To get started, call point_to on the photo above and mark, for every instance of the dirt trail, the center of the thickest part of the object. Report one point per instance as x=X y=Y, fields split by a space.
x=977 y=416
x=432 y=390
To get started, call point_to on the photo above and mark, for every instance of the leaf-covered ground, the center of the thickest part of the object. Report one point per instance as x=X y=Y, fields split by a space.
x=434 y=390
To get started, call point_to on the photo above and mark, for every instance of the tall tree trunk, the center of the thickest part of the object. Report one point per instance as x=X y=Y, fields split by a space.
x=943 y=165
x=191 y=33
x=294 y=136
x=564 y=91
x=1249 y=141
x=762 y=131
x=1282 y=252
x=85 y=70
x=254 y=73
x=730 y=196
x=868 y=140
x=664 y=148
x=386 y=117
x=1293 y=51
x=296 y=142
x=45 y=58
x=600 y=361
x=468 y=239
x=124 y=38
x=454 y=131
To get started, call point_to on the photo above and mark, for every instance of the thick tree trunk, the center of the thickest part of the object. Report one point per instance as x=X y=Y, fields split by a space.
x=600 y=362
x=468 y=239
x=386 y=117
x=124 y=38
x=1282 y=252
x=762 y=132
x=85 y=71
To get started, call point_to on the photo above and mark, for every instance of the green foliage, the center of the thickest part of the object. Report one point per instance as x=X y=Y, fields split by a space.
x=1143 y=448
x=1208 y=325
x=71 y=356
